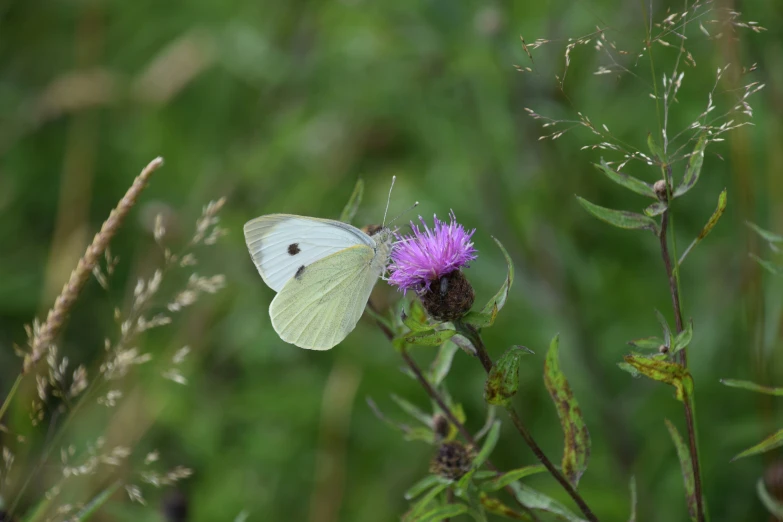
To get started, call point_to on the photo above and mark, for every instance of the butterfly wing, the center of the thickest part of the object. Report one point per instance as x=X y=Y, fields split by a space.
x=280 y=244
x=321 y=304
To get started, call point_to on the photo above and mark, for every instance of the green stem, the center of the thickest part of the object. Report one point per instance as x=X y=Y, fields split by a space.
x=486 y=362
x=689 y=401
x=10 y=396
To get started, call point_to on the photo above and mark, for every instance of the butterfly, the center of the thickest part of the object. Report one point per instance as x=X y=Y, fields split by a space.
x=322 y=270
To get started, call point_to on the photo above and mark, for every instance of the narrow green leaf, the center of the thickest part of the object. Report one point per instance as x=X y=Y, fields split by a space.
x=667 y=332
x=752 y=386
x=773 y=441
x=499 y=300
x=693 y=169
x=503 y=379
x=768 y=236
x=429 y=337
x=576 y=450
x=664 y=371
x=487 y=423
x=441 y=365
x=496 y=507
x=647 y=343
x=95 y=504
x=424 y=503
x=683 y=338
x=422 y=486
x=709 y=226
x=634 y=500
x=687 y=468
x=481 y=319
x=349 y=211
x=774 y=506
x=655 y=150
x=533 y=499
x=656 y=209
x=464 y=483
x=769 y=267
x=423 y=434
x=412 y=410
x=413 y=324
x=501 y=481
x=488 y=446
x=629 y=182
x=440 y=513
x=628 y=368
x=619 y=218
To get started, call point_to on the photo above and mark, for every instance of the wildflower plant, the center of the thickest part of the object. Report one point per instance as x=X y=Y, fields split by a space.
x=79 y=474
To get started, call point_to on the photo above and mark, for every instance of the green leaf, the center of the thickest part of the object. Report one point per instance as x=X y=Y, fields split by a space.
x=657 y=208
x=487 y=424
x=576 y=450
x=464 y=484
x=687 y=468
x=481 y=319
x=667 y=332
x=647 y=343
x=533 y=499
x=429 y=337
x=501 y=481
x=499 y=300
x=440 y=513
x=619 y=218
x=95 y=504
x=709 y=226
x=752 y=386
x=489 y=445
x=683 y=338
x=422 y=486
x=412 y=410
x=441 y=365
x=503 y=379
x=664 y=371
x=656 y=151
x=413 y=323
x=634 y=501
x=693 y=169
x=769 y=267
x=628 y=368
x=349 y=211
x=774 y=506
x=629 y=182
x=423 y=434
x=768 y=236
x=773 y=441
x=496 y=507
x=423 y=504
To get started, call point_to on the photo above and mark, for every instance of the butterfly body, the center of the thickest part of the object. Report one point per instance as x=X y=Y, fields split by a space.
x=322 y=270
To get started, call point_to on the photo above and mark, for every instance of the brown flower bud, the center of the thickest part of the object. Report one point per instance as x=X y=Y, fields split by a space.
x=449 y=298
x=441 y=426
x=660 y=190
x=452 y=461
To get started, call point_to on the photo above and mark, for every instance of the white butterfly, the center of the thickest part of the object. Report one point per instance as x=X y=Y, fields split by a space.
x=322 y=270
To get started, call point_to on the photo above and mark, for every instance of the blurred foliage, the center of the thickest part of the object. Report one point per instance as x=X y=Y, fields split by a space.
x=281 y=106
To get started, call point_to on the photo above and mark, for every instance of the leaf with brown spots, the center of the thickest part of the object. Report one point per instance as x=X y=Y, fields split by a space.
x=576 y=452
x=687 y=468
x=664 y=371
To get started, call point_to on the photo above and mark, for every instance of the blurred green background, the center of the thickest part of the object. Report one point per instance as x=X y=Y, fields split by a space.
x=280 y=107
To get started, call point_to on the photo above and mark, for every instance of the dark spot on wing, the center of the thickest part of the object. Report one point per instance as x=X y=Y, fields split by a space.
x=293 y=249
x=299 y=272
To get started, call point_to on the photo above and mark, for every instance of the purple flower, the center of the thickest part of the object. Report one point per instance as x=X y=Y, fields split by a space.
x=426 y=256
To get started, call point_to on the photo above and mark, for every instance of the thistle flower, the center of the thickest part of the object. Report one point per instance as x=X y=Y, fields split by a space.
x=435 y=256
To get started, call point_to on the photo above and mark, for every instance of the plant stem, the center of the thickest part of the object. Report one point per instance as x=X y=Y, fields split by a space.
x=690 y=417
x=434 y=395
x=486 y=362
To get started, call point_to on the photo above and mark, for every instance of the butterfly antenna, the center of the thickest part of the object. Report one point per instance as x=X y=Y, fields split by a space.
x=403 y=213
x=388 y=200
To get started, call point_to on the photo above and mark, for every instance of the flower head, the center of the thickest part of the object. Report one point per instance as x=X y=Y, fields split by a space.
x=420 y=259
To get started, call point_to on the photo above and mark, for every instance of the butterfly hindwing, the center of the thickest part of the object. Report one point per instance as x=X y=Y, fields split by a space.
x=321 y=304
x=282 y=243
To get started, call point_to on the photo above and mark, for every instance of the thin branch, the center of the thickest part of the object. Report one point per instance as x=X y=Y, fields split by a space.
x=687 y=402
x=434 y=395
x=486 y=362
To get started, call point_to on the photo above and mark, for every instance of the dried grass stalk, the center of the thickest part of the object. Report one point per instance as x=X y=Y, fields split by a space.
x=44 y=335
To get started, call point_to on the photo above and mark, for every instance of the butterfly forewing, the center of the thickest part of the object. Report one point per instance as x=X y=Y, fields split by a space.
x=281 y=244
x=321 y=304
